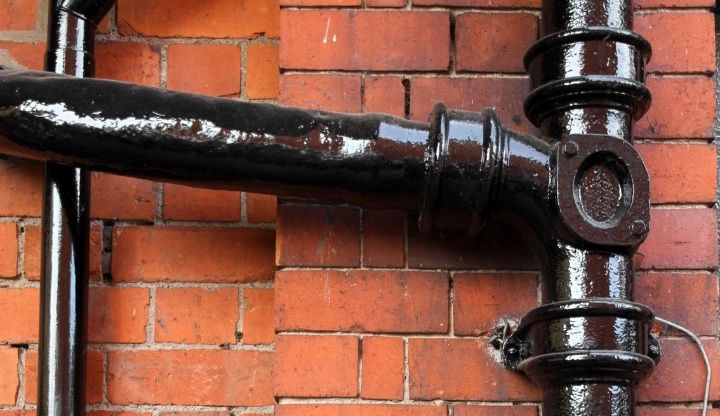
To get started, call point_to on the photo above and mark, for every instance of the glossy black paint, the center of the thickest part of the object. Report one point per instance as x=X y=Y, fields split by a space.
x=66 y=225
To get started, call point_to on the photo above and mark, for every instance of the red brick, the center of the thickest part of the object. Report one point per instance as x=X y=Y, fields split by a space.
x=384 y=95
x=29 y=55
x=485 y=410
x=261 y=208
x=17 y=413
x=109 y=413
x=683 y=42
x=138 y=63
x=204 y=69
x=384 y=238
x=330 y=92
x=318 y=235
x=382 y=368
x=196 y=315
x=463 y=369
x=477 y=36
x=683 y=107
x=365 y=40
x=189 y=254
x=258 y=317
x=320 y=3
x=32 y=258
x=18 y=15
x=262 y=72
x=8 y=250
x=104 y=25
x=646 y=4
x=385 y=3
x=94 y=382
x=482 y=302
x=359 y=410
x=227 y=378
x=118 y=314
x=668 y=293
x=680 y=239
x=361 y=301
x=680 y=173
x=644 y=411
x=20 y=320
x=191 y=19
x=122 y=197
x=196 y=414
x=21 y=184
x=183 y=203
x=680 y=376
x=505 y=95
x=510 y=4
x=9 y=382
x=316 y=366
x=495 y=248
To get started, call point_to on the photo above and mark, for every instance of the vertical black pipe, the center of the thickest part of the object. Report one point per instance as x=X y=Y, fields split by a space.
x=66 y=226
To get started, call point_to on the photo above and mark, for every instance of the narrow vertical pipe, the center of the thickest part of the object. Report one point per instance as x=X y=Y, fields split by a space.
x=66 y=226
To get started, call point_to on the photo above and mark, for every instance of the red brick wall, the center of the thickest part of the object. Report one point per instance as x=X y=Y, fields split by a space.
x=372 y=316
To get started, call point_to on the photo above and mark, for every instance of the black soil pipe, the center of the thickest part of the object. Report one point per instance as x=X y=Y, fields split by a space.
x=65 y=238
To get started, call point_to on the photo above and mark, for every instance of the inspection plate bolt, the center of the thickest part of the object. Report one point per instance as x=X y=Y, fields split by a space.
x=638 y=228
x=570 y=149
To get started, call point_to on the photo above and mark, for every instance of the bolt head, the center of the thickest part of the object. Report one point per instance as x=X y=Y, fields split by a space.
x=570 y=149
x=638 y=228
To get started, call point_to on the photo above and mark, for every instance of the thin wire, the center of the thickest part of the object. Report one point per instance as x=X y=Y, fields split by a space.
x=708 y=374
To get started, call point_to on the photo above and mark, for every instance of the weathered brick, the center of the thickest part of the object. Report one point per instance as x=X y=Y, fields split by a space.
x=19 y=320
x=122 y=197
x=17 y=413
x=9 y=381
x=485 y=301
x=18 y=15
x=477 y=36
x=382 y=368
x=509 y=4
x=683 y=107
x=32 y=258
x=385 y=3
x=505 y=95
x=110 y=413
x=668 y=293
x=684 y=42
x=118 y=314
x=365 y=40
x=318 y=235
x=653 y=411
x=485 y=410
x=261 y=208
x=196 y=315
x=320 y=3
x=362 y=301
x=690 y=178
x=8 y=250
x=383 y=238
x=359 y=410
x=183 y=203
x=29 y=55
x=204 y=69
x=497 y=247
x=680 y=239
x=21 y=184
x=330 y=92
x=384 y=94
x=196 y=414
x=262 y=72
x=681 y=375
x=191 y=19
x=93 y=383
x=463 y=369
x=231 y=378
x=258 y=317
x=646 y=4
x=190 y=254
x=138 y=63
x=316 y=366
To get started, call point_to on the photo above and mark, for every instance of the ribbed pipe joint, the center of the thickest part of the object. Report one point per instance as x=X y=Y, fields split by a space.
x=589 y=67
x=465 y=158
x=587 y=341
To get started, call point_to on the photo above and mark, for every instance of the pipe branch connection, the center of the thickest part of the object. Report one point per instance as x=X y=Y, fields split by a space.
x=580 y=191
